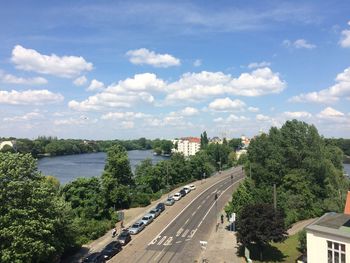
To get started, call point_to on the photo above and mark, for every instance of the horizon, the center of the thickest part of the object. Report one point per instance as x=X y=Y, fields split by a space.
x=160 y=69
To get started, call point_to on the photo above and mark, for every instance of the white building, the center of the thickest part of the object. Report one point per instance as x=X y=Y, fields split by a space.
x=328 y=238
x=8 y=143
x=187 y=146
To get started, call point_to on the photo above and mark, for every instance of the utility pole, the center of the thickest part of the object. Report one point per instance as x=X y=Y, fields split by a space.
x=274 y=197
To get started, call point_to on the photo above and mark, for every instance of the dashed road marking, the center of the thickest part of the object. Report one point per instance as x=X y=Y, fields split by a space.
x=168 y=241
x=192 y=233
x=162 y=240
x=154 y=241
x=185 y=233
x=178 y=233
x=178 y=242
x=187 y=221
x=193 y=213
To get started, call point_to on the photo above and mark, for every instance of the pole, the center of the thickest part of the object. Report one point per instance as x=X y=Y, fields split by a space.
x=274 y=197
x=167 y=177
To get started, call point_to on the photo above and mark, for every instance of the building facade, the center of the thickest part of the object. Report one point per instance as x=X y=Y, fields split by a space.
x=187 y=146
x=328 y=239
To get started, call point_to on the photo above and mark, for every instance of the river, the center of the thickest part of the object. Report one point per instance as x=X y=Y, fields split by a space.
x=69 y=167
x=347 y=168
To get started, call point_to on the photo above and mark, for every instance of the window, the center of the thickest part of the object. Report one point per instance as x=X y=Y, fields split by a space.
x=336 y=252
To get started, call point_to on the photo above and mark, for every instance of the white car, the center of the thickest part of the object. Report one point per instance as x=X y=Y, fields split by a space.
x=177 y=196
x=192 y=187
x=137 y=227
x=147 y=219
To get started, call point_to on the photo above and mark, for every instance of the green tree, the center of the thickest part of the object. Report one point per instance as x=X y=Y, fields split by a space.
x=35 y=223
x=204 y=140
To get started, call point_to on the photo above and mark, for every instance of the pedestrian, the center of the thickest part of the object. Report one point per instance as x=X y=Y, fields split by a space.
x=114 y=232
x=222 y=218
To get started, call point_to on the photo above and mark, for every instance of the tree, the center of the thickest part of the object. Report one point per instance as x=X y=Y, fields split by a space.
x=204 y=140
x=260 y=224
x=35 y=223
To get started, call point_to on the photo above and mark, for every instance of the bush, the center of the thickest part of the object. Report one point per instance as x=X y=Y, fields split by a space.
x=140 y=199
x=302 y=241
x=90 y=229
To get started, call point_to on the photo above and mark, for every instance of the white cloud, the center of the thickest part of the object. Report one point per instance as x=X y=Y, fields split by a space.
x=66 y=66
x=330 y=113
x=261 y=117
x=345 y=38
x=25 y=117
x=123 y=115
x=95 y=85
x=197 y=63
x=197 y=86
x=227 y=104
x=80 y=81
x=330 y=95
x=189 y=111
x=28 y=97
x=82 y=120
x=262 y=64
x=127 y=124
x=231 y=118
x=11 y=79
x=144 y=56
x=297 y=114
x=253 y=109
x=299 y=43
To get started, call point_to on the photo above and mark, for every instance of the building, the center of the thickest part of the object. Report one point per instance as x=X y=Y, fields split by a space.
x=245 y=142
x=187 y=146
x=11 y=144
x=328 y=238
x=216 y=140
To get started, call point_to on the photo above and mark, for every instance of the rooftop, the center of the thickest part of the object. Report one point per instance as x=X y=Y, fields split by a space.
x=332 y=223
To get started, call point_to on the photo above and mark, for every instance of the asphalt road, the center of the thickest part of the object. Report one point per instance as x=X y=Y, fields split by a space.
x=179 y=240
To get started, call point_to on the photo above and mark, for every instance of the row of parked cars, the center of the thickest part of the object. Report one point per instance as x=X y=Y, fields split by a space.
x=125 y=236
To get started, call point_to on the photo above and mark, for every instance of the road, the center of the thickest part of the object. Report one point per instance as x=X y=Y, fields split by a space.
x=177 y=235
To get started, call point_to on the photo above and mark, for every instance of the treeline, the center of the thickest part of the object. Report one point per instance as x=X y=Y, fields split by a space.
x=306 y=168
x=41 y=221
x=343 y=144
x=53 y=147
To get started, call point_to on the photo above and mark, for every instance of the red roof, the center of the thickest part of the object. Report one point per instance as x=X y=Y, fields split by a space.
x=192 y=139
x=347 y=204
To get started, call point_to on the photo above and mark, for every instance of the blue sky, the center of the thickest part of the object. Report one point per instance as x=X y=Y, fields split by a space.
x=130 y=69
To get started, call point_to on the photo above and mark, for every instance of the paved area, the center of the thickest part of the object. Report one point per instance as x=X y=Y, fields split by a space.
x=140 y=241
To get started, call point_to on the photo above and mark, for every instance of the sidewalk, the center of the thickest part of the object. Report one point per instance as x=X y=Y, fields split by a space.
x=221 y=246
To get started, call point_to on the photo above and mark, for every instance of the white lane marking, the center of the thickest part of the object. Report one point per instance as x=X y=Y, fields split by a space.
x=162 y=240
x=199 y=207
x=179 y=231
x=192 y=233
x=168 y=241
x=214 y=192
x=154 y=241
x=215 y=202
x=226 y=178
x=193 y=213
x=178 y=242
x=185 y=233
x=155 y=259
x=203 y=202
x=187 y=221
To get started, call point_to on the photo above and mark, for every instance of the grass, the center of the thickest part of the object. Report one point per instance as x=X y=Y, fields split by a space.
x=278 y=252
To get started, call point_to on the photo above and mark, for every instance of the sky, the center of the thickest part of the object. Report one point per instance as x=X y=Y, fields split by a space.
x=166 y=69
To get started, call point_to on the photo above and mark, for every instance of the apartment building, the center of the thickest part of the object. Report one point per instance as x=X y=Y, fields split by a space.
x=187 y=146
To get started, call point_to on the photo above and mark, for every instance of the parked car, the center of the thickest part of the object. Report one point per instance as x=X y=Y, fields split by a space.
x=177 y=196
x=155 y=212
x=137 y=227
x=170 y=201
x=187 y=189
x=111 y=249
x=96 y=257
x=147 y=219
x=160 y=206
x=192 y=187
x=124 y=237
x=182 y=192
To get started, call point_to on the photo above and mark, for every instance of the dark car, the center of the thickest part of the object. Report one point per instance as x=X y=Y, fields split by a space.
x=182 y=192
x=160 y=207
x=94 y=258
x=111 y=249
x=124 y=237
x=155 y=212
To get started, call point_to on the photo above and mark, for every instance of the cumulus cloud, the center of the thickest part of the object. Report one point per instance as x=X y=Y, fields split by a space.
x=297 y=114
x=66 y=66
x=11 y=79
x=299 y=44
x=262 y=64
x=125 y=93
x=227 y=104
x=123 y=115
x=253 y=109
x=330 y=113
x=144 y=56
x=80 y=81
x=189 y=111
x=96 y=85
x=331 y=94
x=261 y=117
x=345 y=38
x=81 y=120
x=229 y=119
x=28 y=116
x=197 y=86
x=29 y=97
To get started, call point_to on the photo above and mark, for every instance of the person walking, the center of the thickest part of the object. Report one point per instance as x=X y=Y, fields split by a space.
x=222 y=218
x=114 y=232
